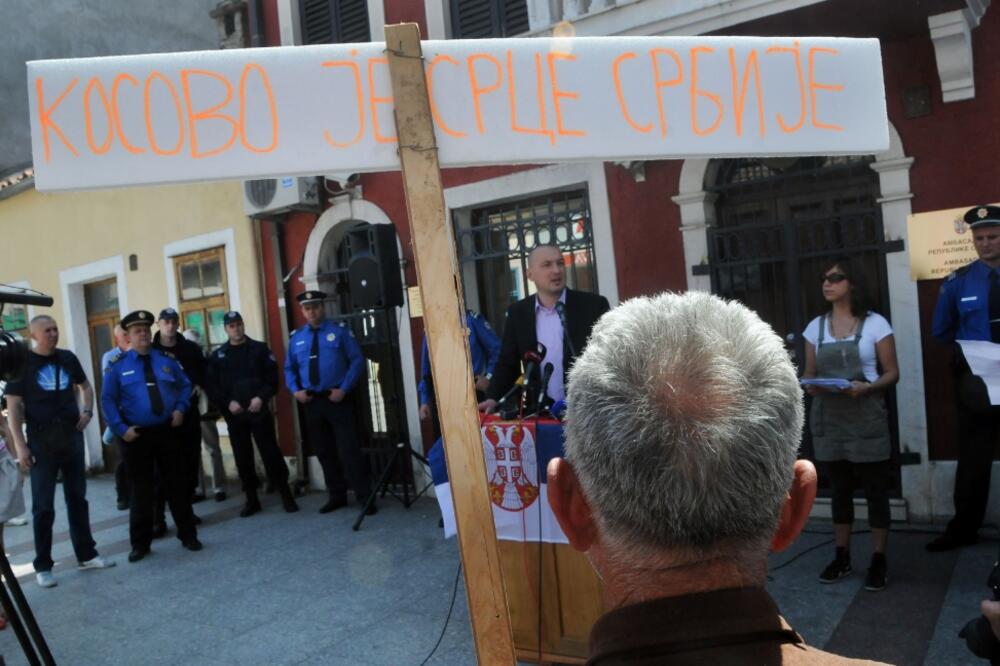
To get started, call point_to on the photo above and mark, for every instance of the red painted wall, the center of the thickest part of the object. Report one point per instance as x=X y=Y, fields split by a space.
x=404 y=11
x=645 y=225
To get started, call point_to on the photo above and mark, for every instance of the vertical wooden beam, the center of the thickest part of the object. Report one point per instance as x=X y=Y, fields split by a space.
x=448 y=344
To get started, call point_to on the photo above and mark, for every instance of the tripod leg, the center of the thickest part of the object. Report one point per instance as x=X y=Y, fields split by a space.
x=15 y=621
x=25 y=610
x=382 y=483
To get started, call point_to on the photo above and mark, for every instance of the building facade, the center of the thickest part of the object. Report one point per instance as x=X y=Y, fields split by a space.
x=756 y=230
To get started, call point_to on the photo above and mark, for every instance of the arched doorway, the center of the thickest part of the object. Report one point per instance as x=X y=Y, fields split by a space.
x=387 y=400
x=778 y=222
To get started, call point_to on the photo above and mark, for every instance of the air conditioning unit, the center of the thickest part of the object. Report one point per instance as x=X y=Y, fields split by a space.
x=271 y=196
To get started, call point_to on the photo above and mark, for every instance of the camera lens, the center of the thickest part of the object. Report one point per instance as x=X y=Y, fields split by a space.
x=13 y=356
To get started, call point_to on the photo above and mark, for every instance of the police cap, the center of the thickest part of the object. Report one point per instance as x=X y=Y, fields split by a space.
x=144 y=317
x=310 y=297
x=169 y=313
x=983 y=216
x=232 y=316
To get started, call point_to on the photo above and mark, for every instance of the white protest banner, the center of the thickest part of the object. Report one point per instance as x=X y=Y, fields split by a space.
x=251 y=113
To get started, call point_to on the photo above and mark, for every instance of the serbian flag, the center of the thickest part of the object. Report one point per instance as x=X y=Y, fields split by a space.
x=517 y=454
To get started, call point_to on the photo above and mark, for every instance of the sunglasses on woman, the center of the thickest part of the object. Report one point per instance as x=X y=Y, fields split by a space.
x=832 y=278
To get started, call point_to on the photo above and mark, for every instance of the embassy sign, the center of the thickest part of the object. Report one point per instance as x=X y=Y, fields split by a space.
x=252 y=113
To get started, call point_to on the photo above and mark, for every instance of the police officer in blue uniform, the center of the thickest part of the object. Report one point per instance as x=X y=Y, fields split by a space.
x=484 y=345
x=323 y=366
x=242 y=378
x=144 y=397
x=968 y=308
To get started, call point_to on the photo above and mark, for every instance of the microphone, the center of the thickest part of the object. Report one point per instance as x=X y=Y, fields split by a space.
x=532 y=359
x=561 y=311
x=506 y=396
x=558 y=409
x=547 y=371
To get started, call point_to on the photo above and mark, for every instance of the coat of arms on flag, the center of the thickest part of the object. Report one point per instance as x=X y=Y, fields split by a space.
x=511 y=464
x=516 y=455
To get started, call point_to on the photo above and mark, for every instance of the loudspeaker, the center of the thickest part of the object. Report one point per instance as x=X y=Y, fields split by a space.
x=373 y=267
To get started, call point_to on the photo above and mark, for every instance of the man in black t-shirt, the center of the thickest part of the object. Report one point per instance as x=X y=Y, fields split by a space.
x=45 y=399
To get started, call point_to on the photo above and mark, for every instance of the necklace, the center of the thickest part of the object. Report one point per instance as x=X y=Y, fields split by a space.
x=847 y=333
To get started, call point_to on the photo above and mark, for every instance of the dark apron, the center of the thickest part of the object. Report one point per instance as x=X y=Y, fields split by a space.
x=846 y=428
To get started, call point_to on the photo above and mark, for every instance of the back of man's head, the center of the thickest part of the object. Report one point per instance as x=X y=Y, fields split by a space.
x=683 y=425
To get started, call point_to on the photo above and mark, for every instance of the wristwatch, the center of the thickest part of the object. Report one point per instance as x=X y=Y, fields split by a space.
x=88 y=412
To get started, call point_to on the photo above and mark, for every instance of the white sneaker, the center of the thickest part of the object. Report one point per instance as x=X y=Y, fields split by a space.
x=96 y=563
x=18 y=521
x=45 y=579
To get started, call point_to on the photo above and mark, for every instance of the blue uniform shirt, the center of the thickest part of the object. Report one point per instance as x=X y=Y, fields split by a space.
x=963 y=306
x=484 y=345
x=340 y=359
x=125 y=397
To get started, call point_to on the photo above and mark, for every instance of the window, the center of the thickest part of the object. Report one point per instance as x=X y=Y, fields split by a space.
x=471 y=19
x=204 y=299
x=14 y=319
x=497 y=239
x=334 y=21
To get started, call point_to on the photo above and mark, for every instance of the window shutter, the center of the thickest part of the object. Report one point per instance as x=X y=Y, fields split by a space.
x=472 y=19
x=515 y=19
x=334 y=21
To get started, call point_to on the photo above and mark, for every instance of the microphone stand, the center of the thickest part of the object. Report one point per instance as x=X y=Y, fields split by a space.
x=561 y=311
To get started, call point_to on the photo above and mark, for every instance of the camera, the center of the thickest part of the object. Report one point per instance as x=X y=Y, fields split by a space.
x=977 y=633
x=13 y=348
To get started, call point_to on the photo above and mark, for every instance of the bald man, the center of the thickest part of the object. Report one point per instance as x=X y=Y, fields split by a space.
x=557 y=316
x=56 y=401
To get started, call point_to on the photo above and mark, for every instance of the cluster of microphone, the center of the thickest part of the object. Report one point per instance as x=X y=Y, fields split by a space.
x=529 y=397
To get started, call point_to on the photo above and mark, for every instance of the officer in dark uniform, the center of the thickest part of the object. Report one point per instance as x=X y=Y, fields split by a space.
x=323 y=366
x=144 y=397
x=484 y=345
x=242 y=378
x=968 y=308
x=192 y=359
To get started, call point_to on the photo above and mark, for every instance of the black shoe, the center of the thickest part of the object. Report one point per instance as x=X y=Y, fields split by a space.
x=949 y=541
x=835 y=570
x=220 y=495
x=333 y=504
x=251 y=507
x=877 y=576
x=197 y=497
x=122 y=505
x=287 y=501
x=192 y=543
x=197 y=519
x=159 y=530
x=137 y=554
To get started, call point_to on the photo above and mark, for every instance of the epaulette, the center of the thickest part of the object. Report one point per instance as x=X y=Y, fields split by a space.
x=960 y=271
x=168 y=354
x=118 y=358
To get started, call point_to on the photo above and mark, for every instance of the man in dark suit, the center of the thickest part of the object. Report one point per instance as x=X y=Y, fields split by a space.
x=539 y=318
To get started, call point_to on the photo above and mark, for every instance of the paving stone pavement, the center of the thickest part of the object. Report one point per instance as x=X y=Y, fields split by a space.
x=278 y=589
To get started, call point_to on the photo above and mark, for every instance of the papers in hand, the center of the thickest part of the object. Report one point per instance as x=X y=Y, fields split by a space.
x=983 y=358
x=826 y=383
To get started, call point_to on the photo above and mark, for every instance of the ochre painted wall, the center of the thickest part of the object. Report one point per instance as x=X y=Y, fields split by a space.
x=43 y=234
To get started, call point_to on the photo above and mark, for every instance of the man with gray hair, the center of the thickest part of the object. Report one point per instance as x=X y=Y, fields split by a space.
x=680 y=474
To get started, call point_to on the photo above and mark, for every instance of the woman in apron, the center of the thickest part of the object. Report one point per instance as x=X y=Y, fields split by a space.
x=850 y=427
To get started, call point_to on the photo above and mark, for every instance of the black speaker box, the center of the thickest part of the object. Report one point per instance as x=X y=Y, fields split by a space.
x=373 y=267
